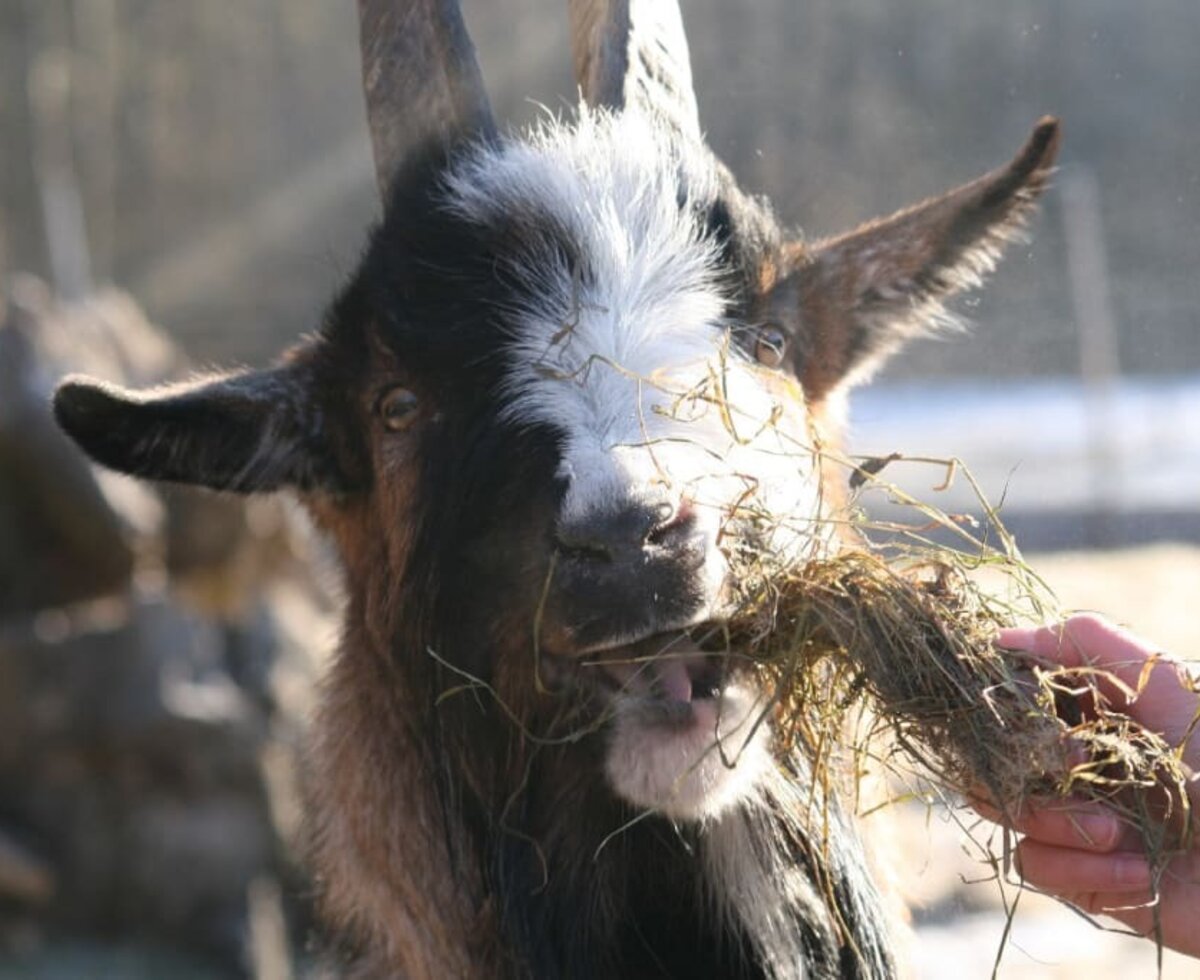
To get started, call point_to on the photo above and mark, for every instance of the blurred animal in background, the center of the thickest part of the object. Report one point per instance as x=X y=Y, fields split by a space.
x=577 y=374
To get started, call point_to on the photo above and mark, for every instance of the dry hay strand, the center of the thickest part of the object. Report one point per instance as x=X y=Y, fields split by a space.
x=900 y=632
x=919 y=643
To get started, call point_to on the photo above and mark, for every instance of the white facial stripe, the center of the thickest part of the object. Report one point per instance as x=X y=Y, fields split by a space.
x=631 y=358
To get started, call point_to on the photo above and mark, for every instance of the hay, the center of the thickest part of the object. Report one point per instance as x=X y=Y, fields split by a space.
x=898 y=630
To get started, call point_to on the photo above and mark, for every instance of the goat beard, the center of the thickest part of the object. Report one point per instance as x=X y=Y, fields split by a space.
x=753 y=852
x=667 y=726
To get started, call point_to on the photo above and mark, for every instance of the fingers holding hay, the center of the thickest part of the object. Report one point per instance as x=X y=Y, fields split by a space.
x=906 y=630
x=1147 y=688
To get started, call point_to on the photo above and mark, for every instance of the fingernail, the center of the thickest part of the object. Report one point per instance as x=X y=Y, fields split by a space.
x=1130 y=869
x=1100 y=830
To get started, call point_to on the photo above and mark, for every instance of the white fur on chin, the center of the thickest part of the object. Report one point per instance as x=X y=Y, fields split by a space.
x=695 y=771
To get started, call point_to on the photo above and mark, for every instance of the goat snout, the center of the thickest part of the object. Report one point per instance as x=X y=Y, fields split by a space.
x=631 y=532
x=626 y=571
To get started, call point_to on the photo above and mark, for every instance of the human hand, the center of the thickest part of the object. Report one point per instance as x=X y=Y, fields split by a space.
x=1081 y=851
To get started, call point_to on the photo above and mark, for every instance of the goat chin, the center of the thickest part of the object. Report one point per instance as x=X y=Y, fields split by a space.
x=690 y=769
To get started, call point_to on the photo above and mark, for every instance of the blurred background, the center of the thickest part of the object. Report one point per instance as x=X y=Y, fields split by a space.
x=185 y=184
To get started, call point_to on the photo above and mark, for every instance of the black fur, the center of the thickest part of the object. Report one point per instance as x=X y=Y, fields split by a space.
x=583 y=893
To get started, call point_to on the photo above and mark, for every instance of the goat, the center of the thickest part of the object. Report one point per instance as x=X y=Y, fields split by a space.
x=576 y=370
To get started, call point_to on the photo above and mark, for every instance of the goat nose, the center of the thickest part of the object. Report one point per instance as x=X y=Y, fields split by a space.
x=625 y=532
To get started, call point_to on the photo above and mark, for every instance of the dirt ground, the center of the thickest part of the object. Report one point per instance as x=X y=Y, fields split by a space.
x=959 y=919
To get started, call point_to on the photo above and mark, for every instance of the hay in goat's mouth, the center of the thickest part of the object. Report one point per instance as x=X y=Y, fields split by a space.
x=906 y=631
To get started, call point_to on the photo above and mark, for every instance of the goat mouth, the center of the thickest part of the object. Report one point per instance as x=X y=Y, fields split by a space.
x=683 y=732
x=679 y=716
x=663 y=678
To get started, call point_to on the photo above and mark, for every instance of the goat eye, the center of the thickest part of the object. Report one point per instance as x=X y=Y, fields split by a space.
x=398 y=409
x=770 y=346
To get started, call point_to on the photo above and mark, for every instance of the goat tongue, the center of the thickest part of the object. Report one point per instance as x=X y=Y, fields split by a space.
x=661 y=666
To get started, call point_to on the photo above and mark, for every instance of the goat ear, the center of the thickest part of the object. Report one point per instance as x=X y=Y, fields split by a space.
x=863 y=294
x=245 y=432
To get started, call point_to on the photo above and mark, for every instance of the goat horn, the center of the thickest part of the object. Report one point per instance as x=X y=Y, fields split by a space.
x=420 y=78
x=634 y=52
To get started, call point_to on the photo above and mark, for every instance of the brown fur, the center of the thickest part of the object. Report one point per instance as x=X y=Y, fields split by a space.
x=380 y=842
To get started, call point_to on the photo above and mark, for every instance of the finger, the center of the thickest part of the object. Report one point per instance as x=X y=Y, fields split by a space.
x=1164 y=694
x=1133 y=909
x=1174 y=913
x=1090 y=640
x=1062 y=823
x=1083 y=640
x=1071 y=822
x=1085 y=643
x=1066 y=871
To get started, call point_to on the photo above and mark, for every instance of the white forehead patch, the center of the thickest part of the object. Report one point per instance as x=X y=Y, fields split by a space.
x=624 y=346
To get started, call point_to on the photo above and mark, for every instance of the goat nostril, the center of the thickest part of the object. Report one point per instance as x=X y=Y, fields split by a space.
x=674 y=522
x=624 y=534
